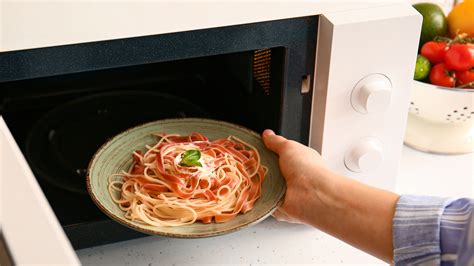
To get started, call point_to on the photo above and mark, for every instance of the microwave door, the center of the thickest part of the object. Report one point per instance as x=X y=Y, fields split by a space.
x=29 y=227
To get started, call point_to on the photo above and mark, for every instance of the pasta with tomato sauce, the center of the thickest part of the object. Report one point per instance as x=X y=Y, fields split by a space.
x=184 y=179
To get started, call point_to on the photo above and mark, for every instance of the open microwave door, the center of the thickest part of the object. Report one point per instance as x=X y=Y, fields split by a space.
x=30 y=230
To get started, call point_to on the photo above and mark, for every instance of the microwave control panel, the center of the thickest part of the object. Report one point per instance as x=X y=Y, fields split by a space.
x=364 y=70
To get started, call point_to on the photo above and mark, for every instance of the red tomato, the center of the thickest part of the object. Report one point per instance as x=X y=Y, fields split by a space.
x=465 y=77
x=460 y=56
x=441 y=76
x=434 y=51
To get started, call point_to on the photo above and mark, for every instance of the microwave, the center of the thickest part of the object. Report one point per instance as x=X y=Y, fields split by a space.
x=333 y=76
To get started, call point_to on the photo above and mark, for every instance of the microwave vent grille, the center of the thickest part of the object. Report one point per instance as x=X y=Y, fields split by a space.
x=261 y=68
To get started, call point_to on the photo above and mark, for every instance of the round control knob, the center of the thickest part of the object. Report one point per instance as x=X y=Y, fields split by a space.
x=372 y=94
x=365 y=156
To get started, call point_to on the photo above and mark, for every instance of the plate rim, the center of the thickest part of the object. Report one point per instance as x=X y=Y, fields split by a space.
x=167 y=234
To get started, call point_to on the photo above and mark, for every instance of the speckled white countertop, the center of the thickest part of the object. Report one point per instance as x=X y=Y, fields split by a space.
x=282 y=243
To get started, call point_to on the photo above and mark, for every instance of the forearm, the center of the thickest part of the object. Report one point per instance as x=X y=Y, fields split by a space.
x=403 y=229
x=356 y=213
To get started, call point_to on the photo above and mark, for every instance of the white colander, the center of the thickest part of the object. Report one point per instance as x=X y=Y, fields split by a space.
x=440 y=120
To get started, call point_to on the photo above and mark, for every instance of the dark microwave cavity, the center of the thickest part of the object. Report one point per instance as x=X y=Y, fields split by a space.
x=54 y=99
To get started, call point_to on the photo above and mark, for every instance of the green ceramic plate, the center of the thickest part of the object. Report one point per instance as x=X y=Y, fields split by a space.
x=115 y=156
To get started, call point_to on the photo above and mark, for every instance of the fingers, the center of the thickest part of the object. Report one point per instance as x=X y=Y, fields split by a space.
x=281 y=216
x=272 y=141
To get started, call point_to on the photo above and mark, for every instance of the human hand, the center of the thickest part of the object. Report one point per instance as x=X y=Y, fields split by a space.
x=303 y=170
x=340 y=206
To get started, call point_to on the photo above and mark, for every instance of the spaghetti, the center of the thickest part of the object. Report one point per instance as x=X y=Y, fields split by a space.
x=184 y=179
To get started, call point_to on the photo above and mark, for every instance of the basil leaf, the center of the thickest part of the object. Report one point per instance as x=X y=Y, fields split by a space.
x=191 y=155
x=191 y=158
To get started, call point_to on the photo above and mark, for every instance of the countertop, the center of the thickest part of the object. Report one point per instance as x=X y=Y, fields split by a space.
x=281 y=243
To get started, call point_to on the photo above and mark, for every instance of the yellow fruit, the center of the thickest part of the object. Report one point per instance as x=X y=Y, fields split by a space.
x=461 y=19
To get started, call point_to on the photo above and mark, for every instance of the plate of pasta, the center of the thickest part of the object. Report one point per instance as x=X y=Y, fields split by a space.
x=186 y=178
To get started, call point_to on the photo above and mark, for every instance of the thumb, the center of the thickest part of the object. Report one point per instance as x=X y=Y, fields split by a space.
x=272 y=141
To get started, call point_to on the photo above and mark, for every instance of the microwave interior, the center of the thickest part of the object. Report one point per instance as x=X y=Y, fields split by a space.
x=62 y=103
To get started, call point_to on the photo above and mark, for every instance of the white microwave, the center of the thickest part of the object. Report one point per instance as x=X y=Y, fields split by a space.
x=334 y=76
